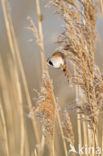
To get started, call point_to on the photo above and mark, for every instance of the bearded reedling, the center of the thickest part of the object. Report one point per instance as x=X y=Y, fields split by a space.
x=58 y=60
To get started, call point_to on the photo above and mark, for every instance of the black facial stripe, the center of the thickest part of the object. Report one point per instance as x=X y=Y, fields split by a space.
x=50 y=63
x=64 y=70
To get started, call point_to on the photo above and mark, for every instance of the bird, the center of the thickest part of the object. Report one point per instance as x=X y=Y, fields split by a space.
x=58 y=60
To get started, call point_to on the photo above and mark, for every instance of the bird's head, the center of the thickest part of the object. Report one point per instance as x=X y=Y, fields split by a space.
x=57 y=60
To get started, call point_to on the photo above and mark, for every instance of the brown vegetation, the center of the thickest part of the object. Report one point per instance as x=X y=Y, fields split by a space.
x=77 y=43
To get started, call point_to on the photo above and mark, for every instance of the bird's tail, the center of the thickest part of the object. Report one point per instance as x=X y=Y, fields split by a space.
x=67 y=74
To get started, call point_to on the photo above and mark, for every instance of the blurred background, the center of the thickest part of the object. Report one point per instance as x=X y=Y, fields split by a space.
x=52 y=26
x=30 y=55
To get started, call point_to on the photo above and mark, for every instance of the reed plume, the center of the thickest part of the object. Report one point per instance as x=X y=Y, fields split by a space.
x=78 y=42
x=45 y=109
x=67 y=127
x=45 y=105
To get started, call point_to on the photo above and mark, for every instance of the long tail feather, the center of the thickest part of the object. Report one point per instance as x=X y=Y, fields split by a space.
x=67 y=74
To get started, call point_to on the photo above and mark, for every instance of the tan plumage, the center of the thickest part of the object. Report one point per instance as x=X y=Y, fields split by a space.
x=67 y=74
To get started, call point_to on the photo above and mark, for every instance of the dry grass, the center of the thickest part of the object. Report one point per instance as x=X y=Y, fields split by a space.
x=77 y=43
x=16 y=66
x=46 y=103
x=68 y=129
x=101 y=6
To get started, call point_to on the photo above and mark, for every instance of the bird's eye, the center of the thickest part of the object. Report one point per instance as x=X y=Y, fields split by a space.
x=50 y=63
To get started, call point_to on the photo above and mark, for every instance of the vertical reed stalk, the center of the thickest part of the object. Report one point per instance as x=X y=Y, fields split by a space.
x=85 y=133
x=14 y=45
x=4 y=128
x=35 y=152
x=62 y=134
x=26 y=149
x=7 y=106
x=42 y=144
x=101 y=6
x=102 y=141
x=40 y=35
x=10 y=39
x=78 y=115
x=43 y=62
x=34 y=123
